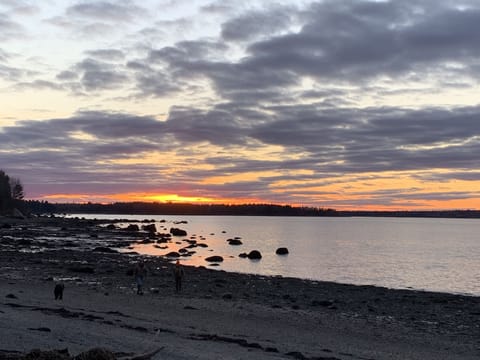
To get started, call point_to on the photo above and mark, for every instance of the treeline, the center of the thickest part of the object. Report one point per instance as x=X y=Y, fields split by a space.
x=145 y=208
x=11 y=194
x=465 y=214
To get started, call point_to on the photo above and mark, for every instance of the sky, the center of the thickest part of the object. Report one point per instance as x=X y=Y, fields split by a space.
x=343 y=104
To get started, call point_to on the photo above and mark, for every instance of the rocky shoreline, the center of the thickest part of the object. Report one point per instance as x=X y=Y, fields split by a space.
x=253 y=316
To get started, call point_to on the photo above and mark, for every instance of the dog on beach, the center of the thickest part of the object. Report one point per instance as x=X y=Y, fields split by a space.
x=58 y=291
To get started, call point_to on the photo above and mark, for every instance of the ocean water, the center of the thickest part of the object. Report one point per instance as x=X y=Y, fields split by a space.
x=414 y=253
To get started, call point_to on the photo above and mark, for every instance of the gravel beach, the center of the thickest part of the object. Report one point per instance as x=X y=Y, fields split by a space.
x=217 y=315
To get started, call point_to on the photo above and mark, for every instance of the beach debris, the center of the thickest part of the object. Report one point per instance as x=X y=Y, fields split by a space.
x=63 y=354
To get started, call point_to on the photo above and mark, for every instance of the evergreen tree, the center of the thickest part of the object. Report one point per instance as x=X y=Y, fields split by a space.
x=5 y=194
x=17 y=189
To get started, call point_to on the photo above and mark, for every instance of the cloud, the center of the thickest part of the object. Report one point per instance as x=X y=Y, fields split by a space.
x=106 y=11
x=98 y=75
x=9 y=29
x=38 y=85
x=353 y=41
x=107 y=54
x=255 y=24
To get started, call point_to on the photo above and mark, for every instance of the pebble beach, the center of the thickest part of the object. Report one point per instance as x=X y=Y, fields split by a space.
x=217 y=315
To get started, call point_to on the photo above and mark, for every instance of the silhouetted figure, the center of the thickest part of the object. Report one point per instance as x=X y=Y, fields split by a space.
x=178 y=274
x=140 y=274
x=58 y=291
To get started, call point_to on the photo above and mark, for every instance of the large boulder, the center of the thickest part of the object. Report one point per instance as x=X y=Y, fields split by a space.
x=282 y=251
x=254 y=255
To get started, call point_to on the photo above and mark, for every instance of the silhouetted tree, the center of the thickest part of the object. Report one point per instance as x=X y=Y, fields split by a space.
x=17 y=189
x=5 y=193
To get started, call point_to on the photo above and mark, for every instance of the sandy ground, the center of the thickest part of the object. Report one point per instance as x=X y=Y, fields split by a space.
x=218 y=315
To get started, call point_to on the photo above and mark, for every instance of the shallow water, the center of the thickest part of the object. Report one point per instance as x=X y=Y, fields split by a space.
x=419 y=253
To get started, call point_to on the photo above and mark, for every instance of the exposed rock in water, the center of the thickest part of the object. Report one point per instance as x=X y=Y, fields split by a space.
x=254 y=255
x=215 y=258
x=282 y=251
x=132 y=227
x=172 y=254
x=177 y=232
x=150 y=228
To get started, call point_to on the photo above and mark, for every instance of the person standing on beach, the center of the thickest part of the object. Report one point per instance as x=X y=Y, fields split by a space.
x=140 y=274
x=178 y=274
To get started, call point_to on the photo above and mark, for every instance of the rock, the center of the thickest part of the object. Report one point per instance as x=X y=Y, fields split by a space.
x=325 y=303
x=132 y=227
x=82 y=269
x=215 y=258
x=234 y=242
x=281 y=251
x=104 y=249
x=177 y=232
x=111 y=227
x=254 y=255
x=150 y=228
x=172 y=254
x=227 y=296
x=11 y=296
x=243 y=255
x=296 y=355
x=47 y=355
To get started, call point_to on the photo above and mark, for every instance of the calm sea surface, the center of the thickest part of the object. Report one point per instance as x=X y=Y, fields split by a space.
x=427 y=254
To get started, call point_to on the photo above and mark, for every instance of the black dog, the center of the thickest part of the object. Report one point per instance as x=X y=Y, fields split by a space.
x=58 y=291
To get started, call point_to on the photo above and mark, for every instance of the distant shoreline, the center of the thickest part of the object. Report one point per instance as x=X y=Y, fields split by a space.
x=145 y=208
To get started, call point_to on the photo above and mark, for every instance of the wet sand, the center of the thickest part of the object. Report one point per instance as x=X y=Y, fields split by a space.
x=218 y=315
